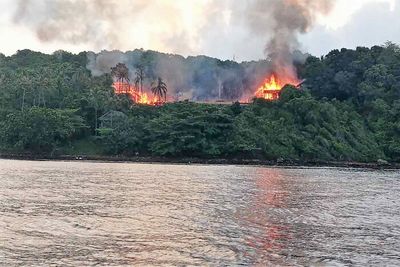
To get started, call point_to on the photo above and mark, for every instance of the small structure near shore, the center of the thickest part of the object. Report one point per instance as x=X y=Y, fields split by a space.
x=111 y=118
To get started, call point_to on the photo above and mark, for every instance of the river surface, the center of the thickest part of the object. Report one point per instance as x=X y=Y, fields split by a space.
x=116 y=214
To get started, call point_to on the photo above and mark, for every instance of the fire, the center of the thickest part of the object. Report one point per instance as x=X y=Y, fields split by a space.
x=144 y=99
x=135 y=94
x=271 y=89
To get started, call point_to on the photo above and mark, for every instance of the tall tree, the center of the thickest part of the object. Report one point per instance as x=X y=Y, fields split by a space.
x=159 y=89
x=26 y=83
x=139 y=78
x=121 y=74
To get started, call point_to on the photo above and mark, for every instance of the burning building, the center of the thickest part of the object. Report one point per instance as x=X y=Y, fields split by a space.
x=272 y=87
x=136 y=92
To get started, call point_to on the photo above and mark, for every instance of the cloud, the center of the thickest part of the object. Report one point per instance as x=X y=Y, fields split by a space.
x=217 y=28
x=373 y=24
x=172 y=26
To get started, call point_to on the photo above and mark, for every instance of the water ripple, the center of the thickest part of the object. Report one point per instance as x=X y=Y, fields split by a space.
x=84 y=214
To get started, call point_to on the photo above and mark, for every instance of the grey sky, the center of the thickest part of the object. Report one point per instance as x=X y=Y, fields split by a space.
x=374 y=24
x=211 y=27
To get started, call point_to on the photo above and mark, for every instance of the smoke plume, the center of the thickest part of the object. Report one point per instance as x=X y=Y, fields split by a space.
x=281 y=21
x=194 y=78
x=172 y=26
x=179 y=26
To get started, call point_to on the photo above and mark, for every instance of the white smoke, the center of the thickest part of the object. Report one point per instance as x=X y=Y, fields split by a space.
x=281 y=22
x=172 y=26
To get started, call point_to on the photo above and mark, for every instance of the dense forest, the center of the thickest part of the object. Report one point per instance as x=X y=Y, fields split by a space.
x=348 y=110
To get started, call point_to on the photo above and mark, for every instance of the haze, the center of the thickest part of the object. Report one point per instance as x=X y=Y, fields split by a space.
x=211 y=27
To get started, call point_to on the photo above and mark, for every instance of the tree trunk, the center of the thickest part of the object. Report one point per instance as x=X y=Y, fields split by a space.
x=95 y=121
x=23 y=99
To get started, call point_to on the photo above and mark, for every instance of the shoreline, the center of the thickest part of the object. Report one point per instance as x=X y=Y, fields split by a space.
x=200 y=161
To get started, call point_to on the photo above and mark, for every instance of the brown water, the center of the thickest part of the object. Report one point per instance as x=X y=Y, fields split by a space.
x=83 y=214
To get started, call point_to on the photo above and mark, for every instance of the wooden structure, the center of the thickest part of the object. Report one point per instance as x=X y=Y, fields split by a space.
x=271 y=94
x=127 y=89
x=112 y=119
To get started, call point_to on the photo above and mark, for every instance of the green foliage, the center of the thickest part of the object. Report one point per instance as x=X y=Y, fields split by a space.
x=87 y=147
x=300 y=127
x=348 y=109
x=126 y=136
x=187 y=129
x=369 y=79
x=38 y=129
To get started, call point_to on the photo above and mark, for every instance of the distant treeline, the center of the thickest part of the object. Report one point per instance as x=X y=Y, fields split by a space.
x=348 y=109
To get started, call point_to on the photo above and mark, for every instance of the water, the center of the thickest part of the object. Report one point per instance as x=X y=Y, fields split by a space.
x=83 y=214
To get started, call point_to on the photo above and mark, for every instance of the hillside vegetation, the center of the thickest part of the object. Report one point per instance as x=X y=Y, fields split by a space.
x=348 y=110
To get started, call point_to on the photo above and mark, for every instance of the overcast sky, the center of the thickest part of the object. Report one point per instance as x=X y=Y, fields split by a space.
x=209 y=27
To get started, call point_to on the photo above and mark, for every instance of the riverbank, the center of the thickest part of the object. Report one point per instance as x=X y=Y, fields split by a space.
x=234 y=161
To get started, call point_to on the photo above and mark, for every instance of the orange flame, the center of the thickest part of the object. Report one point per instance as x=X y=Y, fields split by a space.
x=136 y=96
x=271 y=89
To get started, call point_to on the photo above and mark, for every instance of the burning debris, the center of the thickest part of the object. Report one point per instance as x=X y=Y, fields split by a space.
x=136 y=92
x=140 y=94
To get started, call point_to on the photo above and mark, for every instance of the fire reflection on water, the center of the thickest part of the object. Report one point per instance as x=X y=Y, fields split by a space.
x=265 y=214
x=84 y=214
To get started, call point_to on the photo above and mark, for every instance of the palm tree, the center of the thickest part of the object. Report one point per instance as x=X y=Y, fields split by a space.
x=26 y=82
x=159 y=89
x=139 y=78
x=121 y=74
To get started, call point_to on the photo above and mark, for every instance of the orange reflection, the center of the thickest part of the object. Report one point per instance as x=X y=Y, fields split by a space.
x=265 y=214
